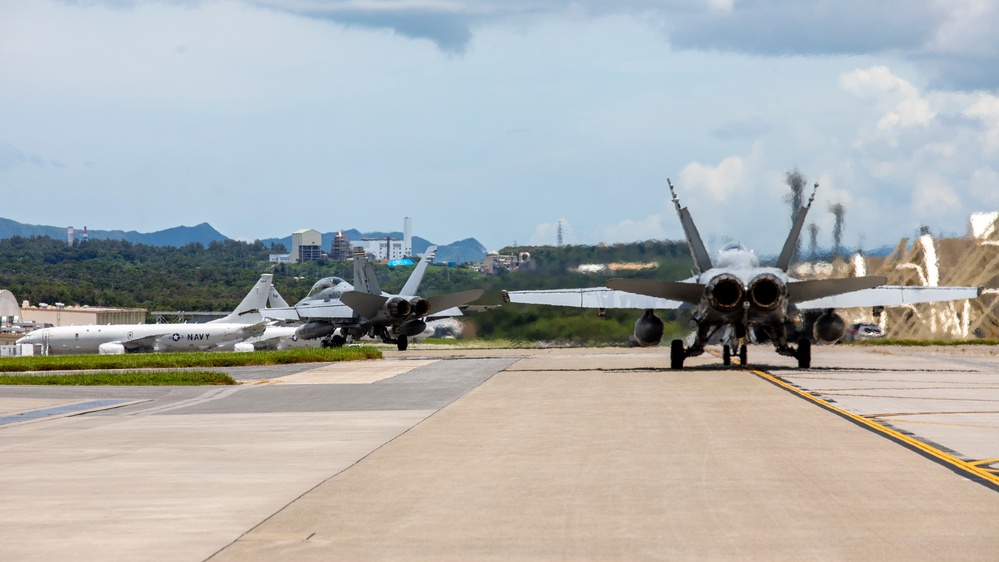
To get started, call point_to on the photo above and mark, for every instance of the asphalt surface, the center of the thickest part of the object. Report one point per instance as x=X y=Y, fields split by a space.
x=876 y=453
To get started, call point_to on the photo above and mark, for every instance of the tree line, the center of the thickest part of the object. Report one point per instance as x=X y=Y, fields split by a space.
x=116 y=273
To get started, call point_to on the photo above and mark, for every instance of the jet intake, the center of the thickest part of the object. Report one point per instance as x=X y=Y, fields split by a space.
x=420 y=307
x=648 y=330
x=829 y=327
x=725 y=292
x=767 y=291
x=397 y=307
x=313 y=330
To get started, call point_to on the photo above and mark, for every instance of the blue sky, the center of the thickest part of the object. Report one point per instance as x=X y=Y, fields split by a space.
x=499 y=119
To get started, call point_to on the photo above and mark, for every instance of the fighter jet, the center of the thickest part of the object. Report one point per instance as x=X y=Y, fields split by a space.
x=733 y=298
x=336 y=311
x=114 y=339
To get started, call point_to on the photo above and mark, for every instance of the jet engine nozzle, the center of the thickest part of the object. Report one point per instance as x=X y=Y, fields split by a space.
x=420 y=306
x=767 y=291
x=829 y=327
x=397 y=307
x=725 y=291
x=648 y=330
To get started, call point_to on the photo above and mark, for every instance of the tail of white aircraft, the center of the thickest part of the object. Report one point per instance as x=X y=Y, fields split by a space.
x=248 y=311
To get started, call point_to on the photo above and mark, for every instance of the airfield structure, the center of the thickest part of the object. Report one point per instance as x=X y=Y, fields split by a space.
x=970 y=261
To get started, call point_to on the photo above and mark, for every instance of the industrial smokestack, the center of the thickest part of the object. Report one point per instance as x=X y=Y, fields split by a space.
x=407 y=237
x=813 y=242
x=839 y=212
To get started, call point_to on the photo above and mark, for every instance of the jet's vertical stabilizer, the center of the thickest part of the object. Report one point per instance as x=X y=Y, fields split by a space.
x=413 y=283
x=248 y=311
x=364 y=275
x=787 y=253
x=697 y=251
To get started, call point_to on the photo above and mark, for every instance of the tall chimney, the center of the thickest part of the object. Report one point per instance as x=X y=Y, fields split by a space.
x=407 y=237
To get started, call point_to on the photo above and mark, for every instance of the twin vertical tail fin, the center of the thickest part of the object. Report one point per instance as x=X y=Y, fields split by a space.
x=365 y=280
x=413 y=283
x=791 y=244
x=697 y=250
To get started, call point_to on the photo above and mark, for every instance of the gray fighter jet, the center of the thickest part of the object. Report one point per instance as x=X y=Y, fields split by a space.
x=733 y=297
x=338 y=312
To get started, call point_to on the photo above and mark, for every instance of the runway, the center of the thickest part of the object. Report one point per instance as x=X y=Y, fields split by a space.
x=886 y=453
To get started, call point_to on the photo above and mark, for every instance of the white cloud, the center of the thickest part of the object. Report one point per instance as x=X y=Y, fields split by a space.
x=719 y=181
x=652 y=227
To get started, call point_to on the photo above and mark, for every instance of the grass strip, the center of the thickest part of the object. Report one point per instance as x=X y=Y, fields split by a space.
x=123 y=378
x=210 y=359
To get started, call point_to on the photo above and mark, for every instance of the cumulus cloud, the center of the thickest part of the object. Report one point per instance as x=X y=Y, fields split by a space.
x=632 y=230
x=12 y=157
x=718 y=181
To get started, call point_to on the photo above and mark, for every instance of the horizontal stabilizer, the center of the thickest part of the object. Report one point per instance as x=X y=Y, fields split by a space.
x=444 y=302
x=689 y=293
x=894 y=295
x=366 y=305
x=801 y=291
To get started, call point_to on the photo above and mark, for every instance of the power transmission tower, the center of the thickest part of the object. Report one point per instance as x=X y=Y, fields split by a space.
x=559 y=234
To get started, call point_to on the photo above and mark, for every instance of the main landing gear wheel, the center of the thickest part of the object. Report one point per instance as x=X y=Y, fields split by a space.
x=337 y=341
x=744 y=355
x=676 y=354
x=402 y=342
x=726 y=355
x=804 y=354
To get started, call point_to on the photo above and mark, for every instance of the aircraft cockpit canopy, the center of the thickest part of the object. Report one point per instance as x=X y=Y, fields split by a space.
x=323 y=284
x=733 y=247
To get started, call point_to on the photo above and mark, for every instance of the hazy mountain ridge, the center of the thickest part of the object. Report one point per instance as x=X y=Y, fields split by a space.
x=203 y=233
x=467 y=250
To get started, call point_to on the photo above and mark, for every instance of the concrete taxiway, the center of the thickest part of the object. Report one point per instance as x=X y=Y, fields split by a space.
x=886 y=453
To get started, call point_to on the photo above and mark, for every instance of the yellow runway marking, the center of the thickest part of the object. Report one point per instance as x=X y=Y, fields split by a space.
x=964 y=466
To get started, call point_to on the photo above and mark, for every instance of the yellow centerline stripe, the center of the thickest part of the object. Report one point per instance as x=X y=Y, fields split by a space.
x=926 y=449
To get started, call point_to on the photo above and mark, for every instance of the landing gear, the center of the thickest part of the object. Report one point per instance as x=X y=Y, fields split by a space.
x=804 y=353
x=337 y=341
x=402 y=342
x=726 y=355
x=744 y=355
x=676 y=354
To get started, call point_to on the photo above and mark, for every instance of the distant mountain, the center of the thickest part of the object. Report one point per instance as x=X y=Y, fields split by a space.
x=177 y=236
x=462 y=251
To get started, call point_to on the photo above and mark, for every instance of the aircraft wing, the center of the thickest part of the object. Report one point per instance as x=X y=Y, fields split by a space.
x=595 y=297
x=893 y=295
x=146 y=342
x=321 y=311
x=444 y=302
x=689 y=293
x=804 y=291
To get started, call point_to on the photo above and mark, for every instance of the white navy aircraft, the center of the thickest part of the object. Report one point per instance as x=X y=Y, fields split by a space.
x=337 y=312
x=244 y=322
x=733 y=296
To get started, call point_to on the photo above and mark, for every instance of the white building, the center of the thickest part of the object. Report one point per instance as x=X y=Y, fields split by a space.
x=306 y=245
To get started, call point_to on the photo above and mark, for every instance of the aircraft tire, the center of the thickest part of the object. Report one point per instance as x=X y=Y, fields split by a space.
x=804 y=354
x=726 y=355
x=402 y=342
x=744 y=355
x=337 y=341
x=676 y=354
